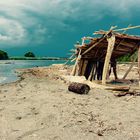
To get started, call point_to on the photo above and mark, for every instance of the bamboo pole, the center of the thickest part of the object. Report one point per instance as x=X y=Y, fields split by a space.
x=110 y=30
x=84 y=67
x=128 y=28
x=131 y=66
x=111 y=43
x=77 y=60
x=69 y=59
x=93 y=45
x=83 y=41
x=80 y=67
x=91 y=73
x=73 y=59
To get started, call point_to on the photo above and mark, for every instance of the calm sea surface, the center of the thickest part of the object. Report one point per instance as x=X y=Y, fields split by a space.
x=7 y=68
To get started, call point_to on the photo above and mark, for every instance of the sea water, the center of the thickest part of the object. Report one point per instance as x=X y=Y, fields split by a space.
x=8 y=67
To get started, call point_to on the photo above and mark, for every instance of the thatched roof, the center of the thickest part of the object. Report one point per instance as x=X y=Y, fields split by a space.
x=97 y=48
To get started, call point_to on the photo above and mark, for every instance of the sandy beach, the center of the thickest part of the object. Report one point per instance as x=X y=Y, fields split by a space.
x=40 y=107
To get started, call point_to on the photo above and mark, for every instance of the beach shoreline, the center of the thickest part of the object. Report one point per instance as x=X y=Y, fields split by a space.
x=39 y=106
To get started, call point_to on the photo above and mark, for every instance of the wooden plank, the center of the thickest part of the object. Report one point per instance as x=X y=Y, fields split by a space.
x=119 y=88
x=111 y=43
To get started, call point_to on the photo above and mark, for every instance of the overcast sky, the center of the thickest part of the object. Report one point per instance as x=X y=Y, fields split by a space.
x=51 y=27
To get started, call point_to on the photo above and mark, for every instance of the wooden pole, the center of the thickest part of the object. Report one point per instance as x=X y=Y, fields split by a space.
x=83 y=41
x=93 y=46
x=128 y=28
x=111 y=43
x=75 y=66
x=80 y=67
x=84 y=67
x=69 y=59
x=110 y=30
x=91 y=73
x=131 y=66
x=139 y=63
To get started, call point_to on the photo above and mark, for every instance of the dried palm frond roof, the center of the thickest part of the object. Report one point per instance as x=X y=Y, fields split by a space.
x=97 y=47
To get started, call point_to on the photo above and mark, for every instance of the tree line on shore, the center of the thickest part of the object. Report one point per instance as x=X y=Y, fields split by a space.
x=31 y=55
x=4 y=55
x=27 y=56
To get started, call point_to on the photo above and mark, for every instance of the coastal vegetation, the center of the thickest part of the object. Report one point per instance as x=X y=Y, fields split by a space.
x=3 y=55
x=127 y=58
x=29 y=54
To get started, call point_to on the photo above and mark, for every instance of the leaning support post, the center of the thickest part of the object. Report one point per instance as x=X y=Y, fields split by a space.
x=76 y=63
x=139 y=63
x=131 y=66
x=111 y=43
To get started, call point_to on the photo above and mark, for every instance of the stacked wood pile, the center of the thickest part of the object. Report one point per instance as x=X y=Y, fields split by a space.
x=95 y=59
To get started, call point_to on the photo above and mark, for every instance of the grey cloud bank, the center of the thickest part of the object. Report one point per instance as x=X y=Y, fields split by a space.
x=57 y=24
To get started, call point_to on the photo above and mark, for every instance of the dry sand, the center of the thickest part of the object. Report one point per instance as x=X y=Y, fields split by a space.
x=39 y=107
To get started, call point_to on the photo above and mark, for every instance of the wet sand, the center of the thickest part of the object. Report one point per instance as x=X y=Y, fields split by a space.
x=39 y=107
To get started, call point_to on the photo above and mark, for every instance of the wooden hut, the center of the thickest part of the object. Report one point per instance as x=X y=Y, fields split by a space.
x=93 y=59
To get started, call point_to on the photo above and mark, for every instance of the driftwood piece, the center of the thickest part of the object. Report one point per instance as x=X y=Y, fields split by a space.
x=128 y=93
x=119 y=88
x=124 y=94
x=79 y=88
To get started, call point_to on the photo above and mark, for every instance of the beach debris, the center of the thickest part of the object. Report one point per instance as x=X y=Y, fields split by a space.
x=119 y=88
x=79 y=88
x=100 y=133
x=130 y=93
x=18 y=118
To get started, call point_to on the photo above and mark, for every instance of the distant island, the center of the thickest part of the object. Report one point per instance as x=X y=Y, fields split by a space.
x=27 y=56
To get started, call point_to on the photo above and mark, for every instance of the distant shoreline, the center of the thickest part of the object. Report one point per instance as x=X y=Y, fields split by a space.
x=37 y=58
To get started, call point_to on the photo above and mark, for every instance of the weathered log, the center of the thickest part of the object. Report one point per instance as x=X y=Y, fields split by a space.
x=79 y=88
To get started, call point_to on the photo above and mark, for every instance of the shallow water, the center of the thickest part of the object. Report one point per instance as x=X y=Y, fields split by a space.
x=7 y=67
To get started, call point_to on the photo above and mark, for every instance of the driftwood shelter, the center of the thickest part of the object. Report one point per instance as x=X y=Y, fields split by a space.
x=95 y=58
